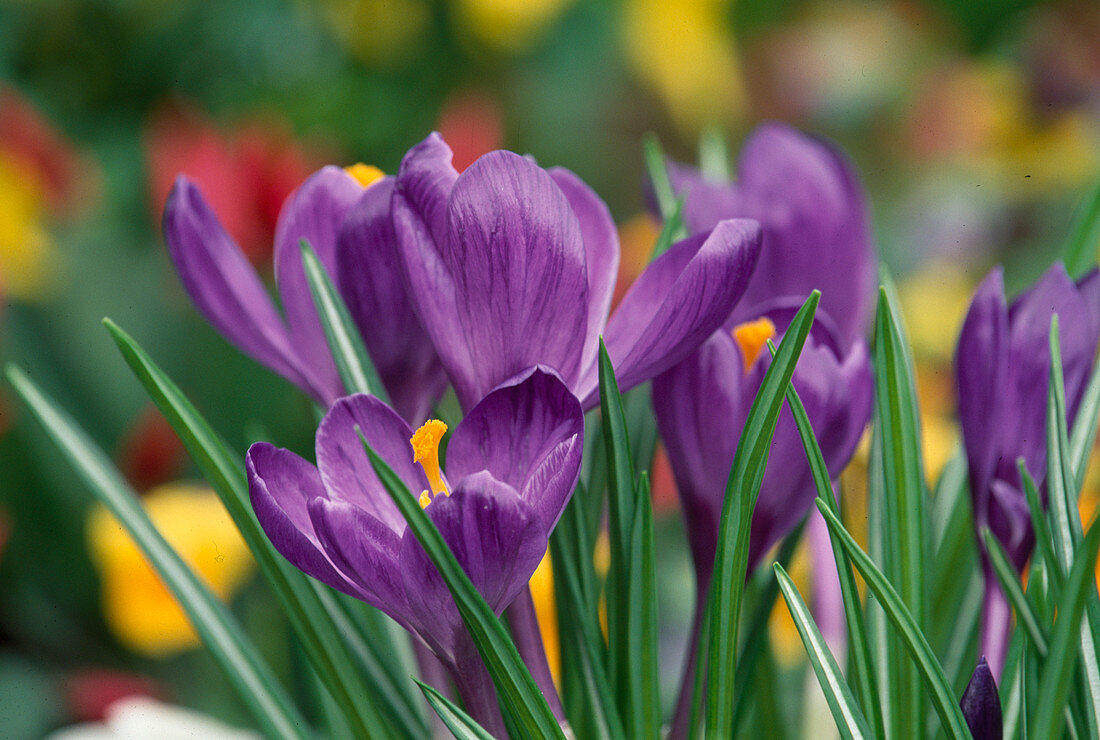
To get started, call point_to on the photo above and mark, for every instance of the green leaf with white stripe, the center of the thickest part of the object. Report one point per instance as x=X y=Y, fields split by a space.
x=846 y=712
x=235 y=654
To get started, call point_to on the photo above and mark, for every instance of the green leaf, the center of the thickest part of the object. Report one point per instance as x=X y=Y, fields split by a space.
x=846 y=712
x=582 y=643
x=1084 y=240
x=1084 y=429
x=756 y=634
x=863 y=663
x=642 y=618
x=897 y=419
x=906 y=627
x=657 y=169
x=222 y=635
x=1066 y=522
x=672 y=230
x=461 y=725
x=352 y=360
x=1043 y=537
x=327 y=639
x=1059 y=665
x=714 y=156
x=746 y=474
x=521 y=700
x=630 y=631
x=1010 y=584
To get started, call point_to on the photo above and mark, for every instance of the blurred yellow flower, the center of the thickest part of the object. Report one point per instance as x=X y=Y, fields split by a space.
x=28 y=259
x=376 y=30
x=138 y=608
x=508 y=25
x=684 y=50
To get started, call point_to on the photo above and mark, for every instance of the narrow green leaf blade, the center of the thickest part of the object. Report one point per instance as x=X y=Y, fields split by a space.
x=860 y=648
x=1010 y=583
x=846 y=712
x=327 y=639
x=657 y=170
x=1065 y=519
x=621 y=515
x=1084 y=240
x=642 y=618
x=461 y=725
x=352 y=360
x=897 y=419
x=1058 y=668
x=230 y=647
x=746 y=474
x=906 y=627
x=520 y=698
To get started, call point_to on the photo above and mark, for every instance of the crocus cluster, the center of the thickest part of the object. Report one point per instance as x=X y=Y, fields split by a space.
x=1002 y=367
x=500 y=277
x=815 y=235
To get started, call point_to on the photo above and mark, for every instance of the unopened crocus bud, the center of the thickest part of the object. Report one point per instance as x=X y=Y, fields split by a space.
x=981 y=705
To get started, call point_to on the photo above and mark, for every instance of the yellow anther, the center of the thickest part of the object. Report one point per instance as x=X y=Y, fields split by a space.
x=366 y=174
x=425 y=443
x=425 y=499
x=752 y=336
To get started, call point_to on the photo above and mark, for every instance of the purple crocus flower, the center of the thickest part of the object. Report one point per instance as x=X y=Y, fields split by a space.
x=1002 y=368
x=510 y=265
x=815 y=221
x=701 y=406
x=350 y=229
x=512 y=464
x=981 y=704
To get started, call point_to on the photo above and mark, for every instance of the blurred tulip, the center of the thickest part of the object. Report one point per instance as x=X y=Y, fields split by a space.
x=246 y=175
x=471 y=123
x=91 y=692
x=138 y=608
x=42 y=178
x=150 y=453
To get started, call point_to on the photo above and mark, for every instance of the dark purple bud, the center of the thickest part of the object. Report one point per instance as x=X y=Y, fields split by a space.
x=981 y=706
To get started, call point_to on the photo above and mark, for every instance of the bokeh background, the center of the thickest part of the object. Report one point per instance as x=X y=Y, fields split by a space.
x=975 y=127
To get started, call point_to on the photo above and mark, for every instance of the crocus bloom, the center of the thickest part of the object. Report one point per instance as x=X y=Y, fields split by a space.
x=981 y=705
x=701 y=406
x=349 y=228
x=139 y=609
x=1002 y=368
x=512 y=464
x=815 y=220
x=510 y=265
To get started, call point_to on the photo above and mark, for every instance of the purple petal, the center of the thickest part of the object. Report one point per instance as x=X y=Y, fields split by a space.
x=981 y=367
x=601 y=249
x=816 y=225
x=225 y=287
x=313 y=213
x=698 y=408
x=346 y=470
x=981 y=705
x=681 y=298
x=528 y=434
x=368 y=270
x=281 y=486
x=517 y=257
x=420 y=198
x=364 y=548
x=497 y=539
x=1078 y=329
